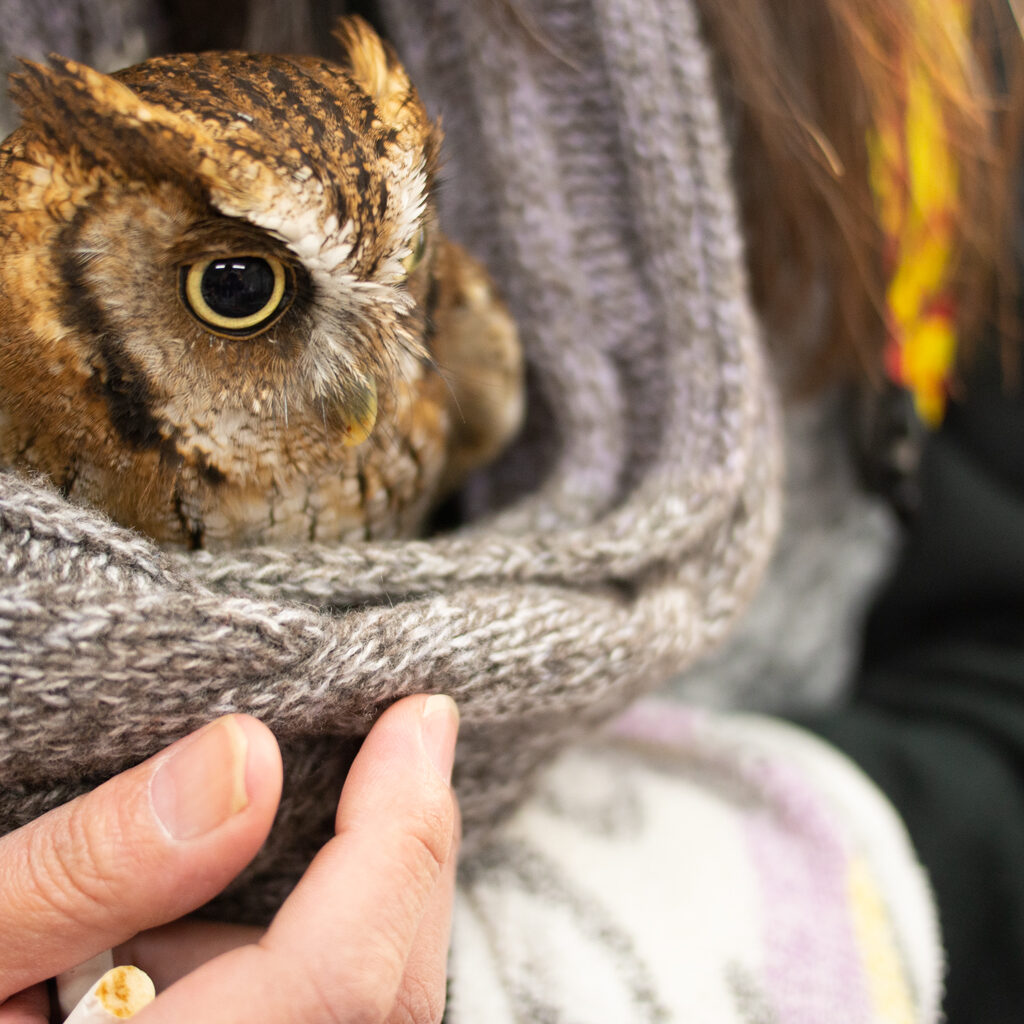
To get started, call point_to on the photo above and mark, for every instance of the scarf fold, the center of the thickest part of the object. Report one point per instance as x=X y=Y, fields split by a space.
x=613 y=545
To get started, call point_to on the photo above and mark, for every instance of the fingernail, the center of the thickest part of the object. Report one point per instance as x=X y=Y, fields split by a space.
x=202 y=783
x=440 y=726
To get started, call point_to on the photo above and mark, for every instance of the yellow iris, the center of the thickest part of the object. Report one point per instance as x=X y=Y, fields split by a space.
x=240 y=295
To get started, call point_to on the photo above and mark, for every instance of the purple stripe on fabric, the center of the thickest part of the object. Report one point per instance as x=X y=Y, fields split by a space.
x=813 y=965
x=657 y=721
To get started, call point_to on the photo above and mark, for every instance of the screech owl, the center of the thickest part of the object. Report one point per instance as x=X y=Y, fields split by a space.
x=227 y=314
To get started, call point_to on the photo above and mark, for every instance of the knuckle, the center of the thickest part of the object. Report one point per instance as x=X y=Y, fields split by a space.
x=429 y=839
x=318 y=993
x=366 y=1009
x=372 y=1003
x=361 y=1004
x=364 y=994
x=419 y=1001
x=65 y=875
x=456 y=826
x=71 y=866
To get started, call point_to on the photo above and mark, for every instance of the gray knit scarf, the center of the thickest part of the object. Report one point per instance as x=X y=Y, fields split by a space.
x=613 y=545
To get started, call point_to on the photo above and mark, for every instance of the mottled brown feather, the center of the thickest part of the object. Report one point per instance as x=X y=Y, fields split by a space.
x=110 y=386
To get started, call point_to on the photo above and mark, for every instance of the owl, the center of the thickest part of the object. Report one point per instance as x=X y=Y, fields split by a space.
x=227 y=313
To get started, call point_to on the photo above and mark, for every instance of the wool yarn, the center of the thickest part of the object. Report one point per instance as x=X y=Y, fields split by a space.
x=612 y=546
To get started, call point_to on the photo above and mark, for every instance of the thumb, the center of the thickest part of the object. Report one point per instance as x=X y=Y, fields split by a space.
x=146 y=847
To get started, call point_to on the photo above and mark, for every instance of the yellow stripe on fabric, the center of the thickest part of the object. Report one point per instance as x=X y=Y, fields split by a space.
x=883 y=966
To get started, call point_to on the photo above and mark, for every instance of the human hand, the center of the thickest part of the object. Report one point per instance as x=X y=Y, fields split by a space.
x=363 y=937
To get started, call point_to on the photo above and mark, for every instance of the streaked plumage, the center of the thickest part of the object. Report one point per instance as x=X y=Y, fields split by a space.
x=340 y=409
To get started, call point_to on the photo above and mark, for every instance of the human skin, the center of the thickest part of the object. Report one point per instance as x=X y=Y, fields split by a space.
x=363 y=937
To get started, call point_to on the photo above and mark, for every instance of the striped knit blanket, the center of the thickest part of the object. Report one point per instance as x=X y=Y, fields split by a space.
x=701 y=869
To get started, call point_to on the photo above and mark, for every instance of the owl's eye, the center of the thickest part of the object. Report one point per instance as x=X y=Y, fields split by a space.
x=415 y=257
x=237 y=296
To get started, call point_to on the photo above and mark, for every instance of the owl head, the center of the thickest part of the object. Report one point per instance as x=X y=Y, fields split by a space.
x=204 y=252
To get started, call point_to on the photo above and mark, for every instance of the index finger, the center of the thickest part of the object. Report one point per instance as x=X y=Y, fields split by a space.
x=338 y=948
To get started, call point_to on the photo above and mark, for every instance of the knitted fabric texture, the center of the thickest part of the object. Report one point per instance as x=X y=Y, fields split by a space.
x=689 y=867
x=613 y=545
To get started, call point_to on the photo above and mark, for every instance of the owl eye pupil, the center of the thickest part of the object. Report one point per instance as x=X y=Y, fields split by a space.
x=238 y=288
x=237 y=296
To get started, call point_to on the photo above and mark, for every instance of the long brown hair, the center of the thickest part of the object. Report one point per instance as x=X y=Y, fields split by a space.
x=802 y=80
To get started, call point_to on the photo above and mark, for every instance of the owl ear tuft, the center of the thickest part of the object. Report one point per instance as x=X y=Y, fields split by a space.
x=75 y=107
x=374 y=66
x=63 y=101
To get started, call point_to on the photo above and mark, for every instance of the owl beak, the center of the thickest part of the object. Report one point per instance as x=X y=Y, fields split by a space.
x=360 y=419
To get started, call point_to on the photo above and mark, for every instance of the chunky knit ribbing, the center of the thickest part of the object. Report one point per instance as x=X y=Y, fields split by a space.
x=615 y=543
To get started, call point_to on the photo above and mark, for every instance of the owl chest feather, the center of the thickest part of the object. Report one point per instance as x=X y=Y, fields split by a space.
x=301 y=482
x=253 y=479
